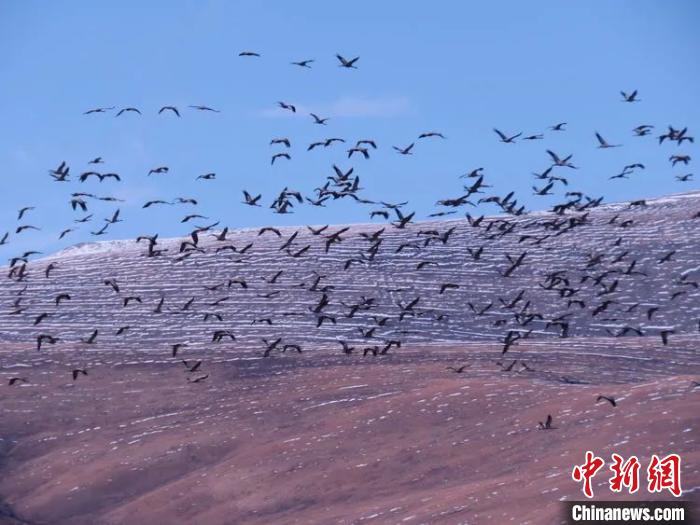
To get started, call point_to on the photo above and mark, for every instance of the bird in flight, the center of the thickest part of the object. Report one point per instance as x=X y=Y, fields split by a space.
x=603 y=144
x=561 y=162
x=318 y=120
x=248 y=54
x=290 y=107
x=279 y=155
x=205 y=108
x=250 y=200
x=303 y=63
x=610 y=400
x=77 y=372
x=98 y=110
x=431 y=134
x=169 y=108
x=125 y=110
x=406 y=150
x=347 y=63
x=506 y=139
x=629 y=97
x=643 y=130
x=283 y=140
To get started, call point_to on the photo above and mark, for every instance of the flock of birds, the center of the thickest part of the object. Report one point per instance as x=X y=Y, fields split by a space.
x=604 y=275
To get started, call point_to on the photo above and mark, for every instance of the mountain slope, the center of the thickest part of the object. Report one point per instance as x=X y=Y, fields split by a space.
x=595 y=257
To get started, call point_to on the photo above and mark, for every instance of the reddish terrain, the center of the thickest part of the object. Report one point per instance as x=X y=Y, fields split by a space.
x=333 y=439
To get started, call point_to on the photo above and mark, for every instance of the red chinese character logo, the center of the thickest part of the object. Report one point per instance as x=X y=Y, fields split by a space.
x=624 y=474
x=586 y=472
x=665 y=474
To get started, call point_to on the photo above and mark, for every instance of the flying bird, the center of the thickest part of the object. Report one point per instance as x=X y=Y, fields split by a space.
x=506 y=139
x=610 y=400
x=128 y=110
x=169 y=108
x=303 y=63
x=318 y=120
x=603 y=144
x=347 y=63
x=406 y=150
x=629 y=97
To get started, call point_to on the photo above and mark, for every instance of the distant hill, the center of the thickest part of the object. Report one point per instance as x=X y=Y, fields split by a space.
x=614 y=258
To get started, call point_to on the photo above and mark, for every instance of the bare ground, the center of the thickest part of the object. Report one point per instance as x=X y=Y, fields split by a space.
x=329 y=439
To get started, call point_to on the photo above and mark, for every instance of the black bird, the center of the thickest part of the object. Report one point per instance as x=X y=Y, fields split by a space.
x=45 y=338
x=603 y=144
x=132 y=110
x=192 y=368
x=248 y=54
x=152 y=203
x=271 y=345
x=127 y=300
x=347 y=63
x=318 y=120
x=250 y=200
x=610 y=400
x=169 y=108
x=629 y=97
x=506 y=139
x=205 y=108
x=675 y=159
x=559 y=161
x=269 y=229
x=23 y=211
x=290 y=107
x=39 y=318
x=160 y=169
x=431 y=134
x=20 y=229
x=77 y=372
x=458 y=370
x=547 y=425
x=282 y=140
x=643 y=130
x=515 y=263
x=303 y=63
x=406 y=150
x=666 y=257
x=278 y=155
x=98 y=110
x=113 y=284
x=664 y=335
x=91 y=340
x=62 y=297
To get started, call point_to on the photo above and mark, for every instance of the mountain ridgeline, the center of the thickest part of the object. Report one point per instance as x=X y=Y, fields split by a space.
x=618 y=270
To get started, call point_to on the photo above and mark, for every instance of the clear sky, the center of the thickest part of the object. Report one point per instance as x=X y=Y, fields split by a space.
x=460 y=68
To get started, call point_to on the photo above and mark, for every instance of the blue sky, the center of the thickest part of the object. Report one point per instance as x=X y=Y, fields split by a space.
x=461 y=68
